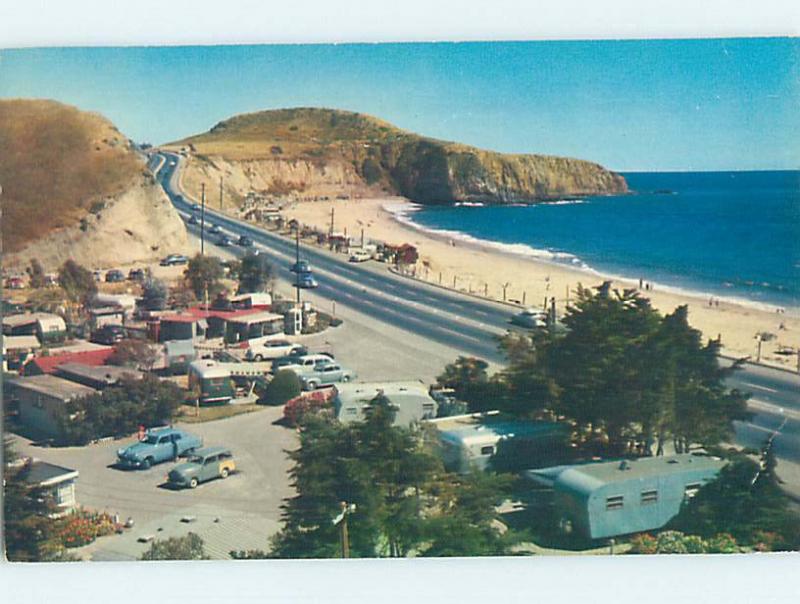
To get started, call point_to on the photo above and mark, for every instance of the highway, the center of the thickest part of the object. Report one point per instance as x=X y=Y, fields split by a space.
x=469 y=325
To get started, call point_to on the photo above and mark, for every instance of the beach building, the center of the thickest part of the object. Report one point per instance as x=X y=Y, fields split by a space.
x=411 y=401
x=47 y=327
x=41 y=402
x=488 y=440
x=57 y=481
x=184 y=326
x=608 y=499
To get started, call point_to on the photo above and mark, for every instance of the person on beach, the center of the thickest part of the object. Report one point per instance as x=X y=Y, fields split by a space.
x=640 y=283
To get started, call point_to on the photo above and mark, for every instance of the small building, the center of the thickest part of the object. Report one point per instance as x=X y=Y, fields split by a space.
x=125 y=302
x=17 y=350
x=106 y=315
x=47 y=327
x=411 y=401
x=182 y=327
x=41 y=401
x=240 y=329
x=488 y=440
x=57 y=481
x=178 y=354
x=98 y=377
x=612 y=498
x=94 y=357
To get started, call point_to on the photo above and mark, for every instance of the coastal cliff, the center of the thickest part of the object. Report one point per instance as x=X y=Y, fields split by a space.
x=308 y=153
x=75 y=187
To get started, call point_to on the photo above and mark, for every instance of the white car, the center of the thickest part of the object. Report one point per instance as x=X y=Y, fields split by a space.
x=302 y=364
x=272 y=349
x=532 y=318
x=359 y=256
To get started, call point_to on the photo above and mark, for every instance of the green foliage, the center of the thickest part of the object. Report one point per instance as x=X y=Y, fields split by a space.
x=36 y=274
x=154 y=294
x=77 y=281
x=119 y=410
x=371 y=170
x=283 y=387
x=746 y=502
x=30 y=535
x=204 y=273
x=137 y=354
x=405 y=502
x=676 y=542
x=255 y=273
x=189 y=547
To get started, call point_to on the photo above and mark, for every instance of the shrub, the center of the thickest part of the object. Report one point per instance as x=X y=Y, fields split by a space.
x=283 y=387
x=723 y=543
x=154 y=295
x=643 y=544
x=301 y=406
x=77 y=281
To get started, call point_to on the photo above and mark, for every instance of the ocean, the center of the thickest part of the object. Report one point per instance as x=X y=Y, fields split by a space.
x=735 y=235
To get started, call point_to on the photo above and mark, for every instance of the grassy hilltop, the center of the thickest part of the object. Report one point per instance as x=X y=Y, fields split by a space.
x=56 y=162
x=399 y=162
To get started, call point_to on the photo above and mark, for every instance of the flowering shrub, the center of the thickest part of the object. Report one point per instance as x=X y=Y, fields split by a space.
x=675 y=542
x=643 y=544
x=723 y=543
x=312 y=402
x=83 y=527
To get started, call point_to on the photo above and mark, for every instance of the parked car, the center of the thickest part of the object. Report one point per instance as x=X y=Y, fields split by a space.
x=193 y=220
x=359 y=256
x=273 y=349
x=301 y=266
x=215 y=229
x=109 y=335
x=204 y=464
x=15 y=283
x=306 y=281
x=245 y=241
x=301 y=364
x=114 y=276
x=531 y=318
x=225 y=241
x=325 y=374
x=136 y=274
x=157 y=446
x=174 y=259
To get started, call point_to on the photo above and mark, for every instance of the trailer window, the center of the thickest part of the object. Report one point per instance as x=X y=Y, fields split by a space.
x=649 y=497
x=487 y=450
x=691 y=490
x=615 y=502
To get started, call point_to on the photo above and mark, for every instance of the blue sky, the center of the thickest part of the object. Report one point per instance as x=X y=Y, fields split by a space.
x=630 y=105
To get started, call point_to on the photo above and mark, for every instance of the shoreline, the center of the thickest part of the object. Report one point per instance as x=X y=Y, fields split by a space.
x=487 y=269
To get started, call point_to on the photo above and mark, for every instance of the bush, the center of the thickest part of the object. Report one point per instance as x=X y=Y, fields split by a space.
x=190 y=547
x=77 y=281
x=154 y=295
x=301 y=406
x=283 y=387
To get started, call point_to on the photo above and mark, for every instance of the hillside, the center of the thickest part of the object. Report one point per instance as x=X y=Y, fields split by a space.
x=65 y=174
x=311 y=152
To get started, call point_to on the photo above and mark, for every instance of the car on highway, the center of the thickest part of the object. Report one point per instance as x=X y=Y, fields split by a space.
x=325 y=374
x=532 y=318
x=215 y=229
x=245 y=241
x=273 y=349
x=359 y=256
x=305 y=281
x=302 y=363
x=195 y=207
x=114 y=276
x=204 y=464
x=193 y=220
x=174 y=259
x=225 y=241
x=157 y=446
x=109 y=335
x=301 y=266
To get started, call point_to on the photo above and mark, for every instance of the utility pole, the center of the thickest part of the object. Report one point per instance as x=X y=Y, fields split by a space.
x=341 y=522
x=362 y=239
x=297 y=264
x=220 y=192
x=202 y=218
x=330 y=235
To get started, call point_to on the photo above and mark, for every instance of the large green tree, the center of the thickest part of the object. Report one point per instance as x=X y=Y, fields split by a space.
x=203 y=274
x=77 y=281
x=255 y=273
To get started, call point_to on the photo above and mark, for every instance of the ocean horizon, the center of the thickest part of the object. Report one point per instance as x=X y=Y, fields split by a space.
x=733 y=235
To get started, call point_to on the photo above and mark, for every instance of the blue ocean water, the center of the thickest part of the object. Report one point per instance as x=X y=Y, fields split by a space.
x=730 y=234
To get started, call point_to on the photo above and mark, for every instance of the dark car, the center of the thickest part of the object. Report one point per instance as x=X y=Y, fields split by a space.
x=301 y=266
x=225 y=241
x=114 y=276
x=245 y=241
x=306 y=281
x=193 y=219
x=109 y=335
x=195 y=207
x=174 y=259
x=136 y=274
x=215 y=229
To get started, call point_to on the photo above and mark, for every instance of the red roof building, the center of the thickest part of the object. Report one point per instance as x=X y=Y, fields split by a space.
x=47 y=365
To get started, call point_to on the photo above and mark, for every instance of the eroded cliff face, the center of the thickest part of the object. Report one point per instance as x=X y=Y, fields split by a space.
x=309 y=153
x=138 y=225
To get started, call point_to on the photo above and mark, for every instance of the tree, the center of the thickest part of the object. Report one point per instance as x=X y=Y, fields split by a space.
x=154 y=294
x=137 y=354
x=188 y=547
x=203 y=275
x=29 y=532
x=77 y=281
x=255 y=273
x=469 y=379
x=36 y=274
x=283 y=387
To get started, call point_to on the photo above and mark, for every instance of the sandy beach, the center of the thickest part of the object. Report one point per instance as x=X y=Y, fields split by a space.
x=483 y=270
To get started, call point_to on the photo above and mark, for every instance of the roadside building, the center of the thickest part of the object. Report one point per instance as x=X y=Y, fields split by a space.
x=125 y=302
x=94 y=357
x=106 y=315
x=41 y=401
x=411 y=401
x=608 y=499
x=182 y=327
x=47 y=327
x=253 y=327
x=487 y=440
x=57 y=481
x=98 y=377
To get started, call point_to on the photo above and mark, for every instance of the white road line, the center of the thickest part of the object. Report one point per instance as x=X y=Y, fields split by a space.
x=764 y=388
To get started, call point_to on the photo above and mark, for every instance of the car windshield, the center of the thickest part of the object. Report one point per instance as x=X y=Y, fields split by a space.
x=196 y=459
x=150 y=439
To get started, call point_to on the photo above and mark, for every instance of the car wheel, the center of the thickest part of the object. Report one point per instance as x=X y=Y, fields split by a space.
x=224 y=473
x=259 y=358
x=193 y=483
x=345 y=378
x=147 y=463
x=312 y=385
